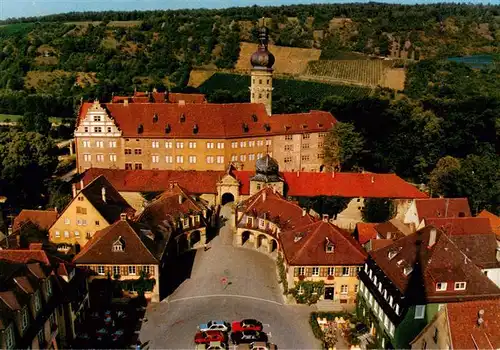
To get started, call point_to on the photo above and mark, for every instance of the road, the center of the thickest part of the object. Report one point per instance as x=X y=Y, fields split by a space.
x=230 y=284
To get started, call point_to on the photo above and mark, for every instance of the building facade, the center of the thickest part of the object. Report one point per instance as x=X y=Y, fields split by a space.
x=184 y=134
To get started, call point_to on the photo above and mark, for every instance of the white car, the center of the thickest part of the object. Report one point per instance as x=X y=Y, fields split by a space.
x=216 y=345
x=214 y=326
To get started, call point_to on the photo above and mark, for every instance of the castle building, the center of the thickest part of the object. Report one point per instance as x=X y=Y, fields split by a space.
x=164 y=131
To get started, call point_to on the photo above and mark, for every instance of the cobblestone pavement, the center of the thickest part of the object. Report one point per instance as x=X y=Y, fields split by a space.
x=227 y=283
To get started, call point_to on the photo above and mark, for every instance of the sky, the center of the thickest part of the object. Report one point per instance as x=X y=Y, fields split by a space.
x=28 y=8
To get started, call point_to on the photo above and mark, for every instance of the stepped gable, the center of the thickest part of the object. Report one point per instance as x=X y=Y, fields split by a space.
x=211 y=120
x=306 y=245
x=463 y=324
x=442 y=207
x=42 y=218
x=277 y=209
x=99 y=250
x=461 y=225
x=115 y=204
x=494 y=221
x=350 y=185
x=197 y=182
x=425 y=265
x=366 y=232
x=171 y=204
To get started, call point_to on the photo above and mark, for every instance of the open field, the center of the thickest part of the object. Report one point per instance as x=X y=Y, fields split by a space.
x=291 y=88
x=349 y=71
x=289 y=60
x=38 y=79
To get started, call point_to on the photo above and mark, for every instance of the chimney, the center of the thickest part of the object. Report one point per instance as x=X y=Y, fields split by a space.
x=432 y=237
x=264 y=195
x=73 y=187
x=103 y=194
x=81 y=184
x=55 y=209
x=325 y=217
x=304 y=211
x=123 y=217
x=125 y=102
x=274 y=189
x=480 y=318
x=333 y=174
x=182 y=102
x=9 y=230
x=18 y=239
x=373 y=179
x=180 y=198
x=298 y=173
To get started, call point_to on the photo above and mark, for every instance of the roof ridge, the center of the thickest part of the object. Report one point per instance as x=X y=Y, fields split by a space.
x=311 y=235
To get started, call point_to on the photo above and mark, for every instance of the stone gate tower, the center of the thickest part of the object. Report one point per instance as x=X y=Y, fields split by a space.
x=261 y=88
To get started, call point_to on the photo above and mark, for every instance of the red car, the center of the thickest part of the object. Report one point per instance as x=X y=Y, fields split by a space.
x=209 y=336
x=246 y=325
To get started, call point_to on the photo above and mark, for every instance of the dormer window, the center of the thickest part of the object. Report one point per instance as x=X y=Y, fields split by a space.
x=304 y=126
x=140 y=129
x=441 y=286
x=195 y=129
x=407 y=270
x=329 y=246
x=245 y=127
x=393 y=252
x=298 y=236
x=118 y=245
x=168 y=129
x=460 y=285
x=267 y=127
x=320 y=125
x=262 y=223
x=254 y=117
x=155 y=118
x=182 y=118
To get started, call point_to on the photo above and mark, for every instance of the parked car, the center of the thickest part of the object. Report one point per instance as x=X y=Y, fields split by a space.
x=246 y=325
x=257 y=346
x=214 y=326
x=209 y=336
x=248 y=337
x=216 y=345
x=200 y=347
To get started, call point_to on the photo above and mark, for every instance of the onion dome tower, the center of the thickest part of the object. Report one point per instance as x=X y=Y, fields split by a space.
x=261 y=88
x=266 y=175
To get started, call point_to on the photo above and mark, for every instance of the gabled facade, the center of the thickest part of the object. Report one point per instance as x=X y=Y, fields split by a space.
x=422 y=209
x=323 y=252
x=464 y=325
x=95 y=207
x=125 y=251
x=402 y=286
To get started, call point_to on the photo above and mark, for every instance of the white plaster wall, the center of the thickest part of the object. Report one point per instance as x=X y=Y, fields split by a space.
x=494 y=275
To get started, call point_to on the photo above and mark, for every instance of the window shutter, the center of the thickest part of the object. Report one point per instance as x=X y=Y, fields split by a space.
x=308 y=271
x=296 y=272
x=352 y=271
x=338 y=271
x=124 y=270
x=323 y=271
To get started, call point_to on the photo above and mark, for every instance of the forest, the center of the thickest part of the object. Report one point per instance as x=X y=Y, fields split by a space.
x=441 y=130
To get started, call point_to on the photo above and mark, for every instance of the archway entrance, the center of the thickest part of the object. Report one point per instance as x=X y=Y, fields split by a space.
x=194 y=238
x=274 y=245
x=227 y=198
x=245 y=236
x=261 y=241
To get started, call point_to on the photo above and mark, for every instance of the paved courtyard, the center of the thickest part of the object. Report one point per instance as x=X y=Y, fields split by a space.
x=227 y=283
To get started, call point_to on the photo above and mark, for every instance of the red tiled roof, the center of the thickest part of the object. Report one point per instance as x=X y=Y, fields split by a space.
x=42 y=218
x=442 y=262
x=464 y=329
x=480 y=248
x=197 y=182
x=494 y=221
x=276 y=208
x=24 y=256
x=10 y=300
x=167 y=206
x=211 y=120
x=174 y=97
x=366 y=232
x=442 y=207
x=461 y=226
x=311 y=248
x=380 y=243
x=366 y=185
x=99 y=249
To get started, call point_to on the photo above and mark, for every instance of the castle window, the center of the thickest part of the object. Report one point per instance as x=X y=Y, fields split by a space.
x=220 y=159
x=112 y=157
x=100 y=157
x=210 y=145
x=220 y=145
x=289 y=137
x=97 y=129
x=192 y=159
x=305 y=158
x=155 y=158
x=192 y=144
x=169 y=144
x=86 y=143
x=128 y=151
x=128 y=166
x=260 y=95
x=288 y=159
x=138 y=151
x=267 y=81
x=99 y=144
x=86 y=129
x=267 y=95
x=155 y=144
x=109 y=128
x=169 y=159
x=305 y=146
x=251 y=156
x=179 y=159
x=260 y=81
x=138 y=166
x=112 y=144
x=306 y=136
x=210 y=159
x=179 y=144
x=97 y=118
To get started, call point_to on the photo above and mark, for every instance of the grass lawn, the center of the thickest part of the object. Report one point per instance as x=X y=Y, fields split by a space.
x=15 y=118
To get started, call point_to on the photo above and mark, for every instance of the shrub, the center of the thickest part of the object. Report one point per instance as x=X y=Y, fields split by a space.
x=282 y=273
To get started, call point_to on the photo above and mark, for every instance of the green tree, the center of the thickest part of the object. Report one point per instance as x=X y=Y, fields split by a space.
x=59 y=194
x=443 y=175
x=32 y=233
x=378 y=210
x=36 y=122
x=343 y=146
